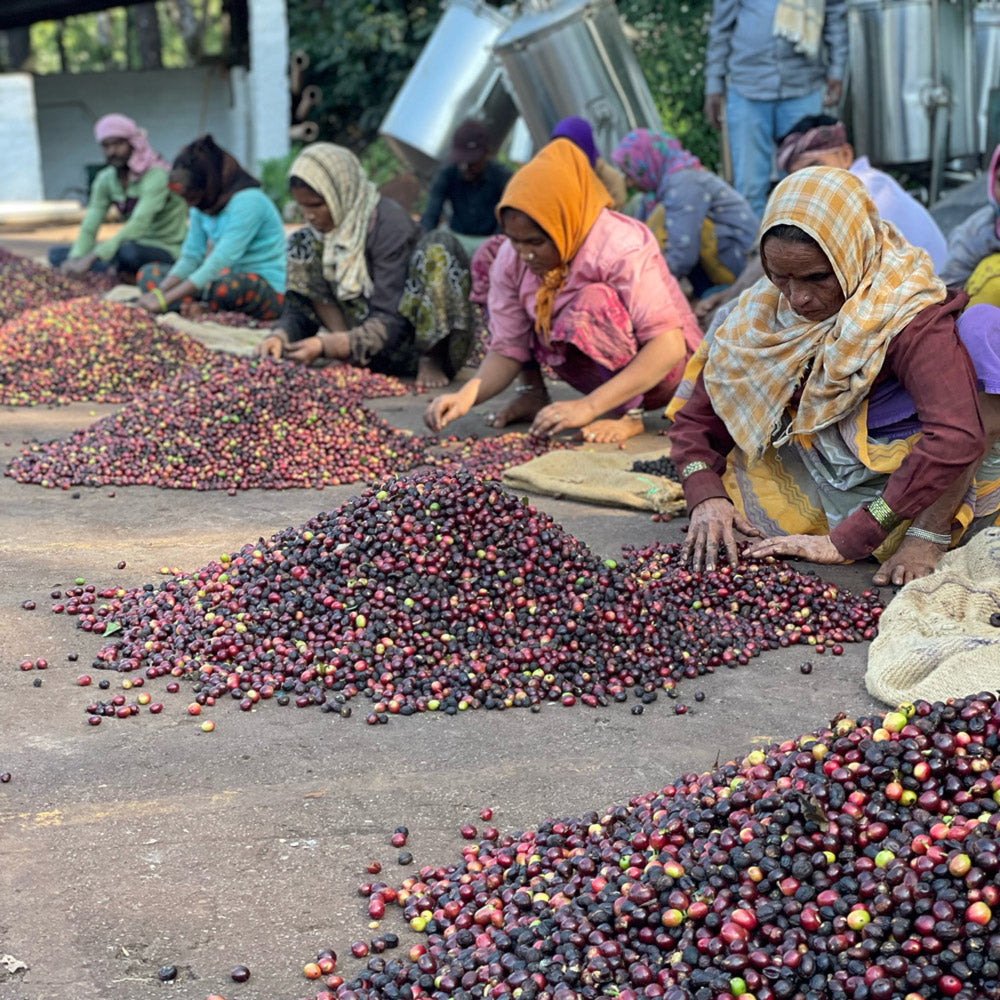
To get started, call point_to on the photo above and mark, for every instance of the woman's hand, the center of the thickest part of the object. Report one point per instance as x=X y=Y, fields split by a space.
x=713 y=523
x=305 y=351
x=149 y=302
x=915 y=557
x=813 y=548
x=444 y=409
x=562 y=416
x=271 y=347
x=76 y=267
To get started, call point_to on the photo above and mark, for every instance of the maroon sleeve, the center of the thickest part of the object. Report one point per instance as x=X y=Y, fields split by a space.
x=699 y=435
x=931 y=363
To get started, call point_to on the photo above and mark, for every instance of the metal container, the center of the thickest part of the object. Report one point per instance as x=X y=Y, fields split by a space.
x=456 y=77
x=912 y=74
x=986 y=29
x=571 y=57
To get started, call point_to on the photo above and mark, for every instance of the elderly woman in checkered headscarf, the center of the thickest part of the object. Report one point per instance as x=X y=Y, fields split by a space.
x=363 y=286
x=845 y=408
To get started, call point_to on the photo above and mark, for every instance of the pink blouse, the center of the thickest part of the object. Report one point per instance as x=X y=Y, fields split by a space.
x=620 y=252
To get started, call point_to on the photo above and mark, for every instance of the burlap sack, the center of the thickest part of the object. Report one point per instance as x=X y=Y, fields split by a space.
x=600 y=477
x=214 y=336
x=935 y=640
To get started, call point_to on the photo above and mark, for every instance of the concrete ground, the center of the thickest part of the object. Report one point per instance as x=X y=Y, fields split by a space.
x=146 y=842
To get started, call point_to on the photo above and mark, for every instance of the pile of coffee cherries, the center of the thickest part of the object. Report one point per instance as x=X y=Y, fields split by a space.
x=87 y=349
x=438 y=591
x=859 y=862
x=233 y=424
x=24 y=284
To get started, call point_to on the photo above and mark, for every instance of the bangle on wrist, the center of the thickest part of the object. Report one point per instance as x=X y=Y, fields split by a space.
x=937 y=537
x=160 y=297
x=885 y=516
x=692 y=467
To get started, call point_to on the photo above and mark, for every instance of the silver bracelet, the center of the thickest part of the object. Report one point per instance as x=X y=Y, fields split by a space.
x=636 y=412
x=936 y=537
x=527 y=387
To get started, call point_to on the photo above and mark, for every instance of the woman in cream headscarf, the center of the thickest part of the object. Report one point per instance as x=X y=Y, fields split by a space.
x=360 y=287
x=842 y=395
x=582 y=289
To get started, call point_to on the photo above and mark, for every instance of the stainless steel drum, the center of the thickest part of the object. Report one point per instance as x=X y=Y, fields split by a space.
x=912 y=77
x=456 y=77
x=571 y=57
x=986 y=28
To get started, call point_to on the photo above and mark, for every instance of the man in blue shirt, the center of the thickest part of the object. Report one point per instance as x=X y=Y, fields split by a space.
x=471 y=184
x=775 y=61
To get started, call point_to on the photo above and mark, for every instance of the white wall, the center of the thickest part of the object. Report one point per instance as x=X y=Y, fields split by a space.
x=20 y=152
x=247 y=111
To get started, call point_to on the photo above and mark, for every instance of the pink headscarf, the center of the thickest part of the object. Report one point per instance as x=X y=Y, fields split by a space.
x=143 y=155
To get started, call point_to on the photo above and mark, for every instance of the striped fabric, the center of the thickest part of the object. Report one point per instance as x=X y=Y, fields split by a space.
x=764 y=349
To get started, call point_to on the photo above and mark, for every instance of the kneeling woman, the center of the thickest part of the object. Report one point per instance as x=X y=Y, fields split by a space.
x=856 y=417
x=233 y=257
x=584 y=290
x=361 y=289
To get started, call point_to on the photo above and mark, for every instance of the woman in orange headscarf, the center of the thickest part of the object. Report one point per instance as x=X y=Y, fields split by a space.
x=582 y=289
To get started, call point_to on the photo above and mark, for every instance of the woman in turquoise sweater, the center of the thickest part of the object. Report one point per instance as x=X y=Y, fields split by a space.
x=233 y=258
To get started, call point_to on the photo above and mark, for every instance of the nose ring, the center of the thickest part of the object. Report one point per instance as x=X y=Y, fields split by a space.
x=531 y=255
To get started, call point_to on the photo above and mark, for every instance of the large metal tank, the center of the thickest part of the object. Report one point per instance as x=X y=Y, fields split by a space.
x=456 y=77
x=571 y=57
x=986 y=28
x=912 y=74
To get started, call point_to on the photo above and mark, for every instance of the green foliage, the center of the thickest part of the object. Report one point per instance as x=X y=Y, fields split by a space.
x=381 y=163
x=671 y=53
x=274 y=177
x=360 y=52
x=99 y=42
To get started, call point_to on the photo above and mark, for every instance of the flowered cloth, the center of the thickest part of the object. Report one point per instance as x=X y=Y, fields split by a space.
x=228 y=292
x=560 y=193
x=336 y=175
x=764 y=348
x=648 y=158
x=143 y=155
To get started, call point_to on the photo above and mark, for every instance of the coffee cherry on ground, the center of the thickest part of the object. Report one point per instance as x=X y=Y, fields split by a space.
x=439 y=592
x=795 y=872
x=4 y=777
x=240 y=974
x=167 y=973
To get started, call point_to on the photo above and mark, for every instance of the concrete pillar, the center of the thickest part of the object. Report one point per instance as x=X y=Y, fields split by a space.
x=21 y=160
x=267 y=82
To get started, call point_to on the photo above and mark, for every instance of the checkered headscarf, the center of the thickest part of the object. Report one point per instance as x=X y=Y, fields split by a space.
x=764 y=349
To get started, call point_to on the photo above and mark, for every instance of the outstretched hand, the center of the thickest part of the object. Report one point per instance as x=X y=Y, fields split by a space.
x=713 y=525
x=813 y=548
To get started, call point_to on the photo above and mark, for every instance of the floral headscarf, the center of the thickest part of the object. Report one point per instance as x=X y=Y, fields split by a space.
x=561 y=194
x=764 y=349
x=336 y=175
x=648 y=158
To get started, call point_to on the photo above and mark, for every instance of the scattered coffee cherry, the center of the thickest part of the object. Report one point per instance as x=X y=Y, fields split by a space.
x=4 y=777
x=240 y=974
x=167 y=973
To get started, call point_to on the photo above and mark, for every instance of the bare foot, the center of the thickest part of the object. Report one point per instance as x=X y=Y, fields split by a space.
x=915 y=558
x=429 y=374
x=521 y=409
x=610 y=431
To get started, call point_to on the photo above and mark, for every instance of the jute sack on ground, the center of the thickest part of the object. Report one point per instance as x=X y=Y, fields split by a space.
x=935 y=640
x=214 y=336
x=600 y=477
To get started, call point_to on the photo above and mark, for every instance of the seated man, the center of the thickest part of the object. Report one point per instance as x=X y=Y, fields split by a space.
x=471 y=184
x=821 y=141
x=135 y=182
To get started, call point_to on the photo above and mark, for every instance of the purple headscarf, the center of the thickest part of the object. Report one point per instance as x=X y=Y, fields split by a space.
x=579 y=132
x=648 y=158
x=143 y=155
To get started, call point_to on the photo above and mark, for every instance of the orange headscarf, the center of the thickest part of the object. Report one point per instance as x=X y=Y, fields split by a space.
x=559 y=191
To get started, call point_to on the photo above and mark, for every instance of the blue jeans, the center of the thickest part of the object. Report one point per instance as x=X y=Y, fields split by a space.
x=129 y=258
x=754 y=128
